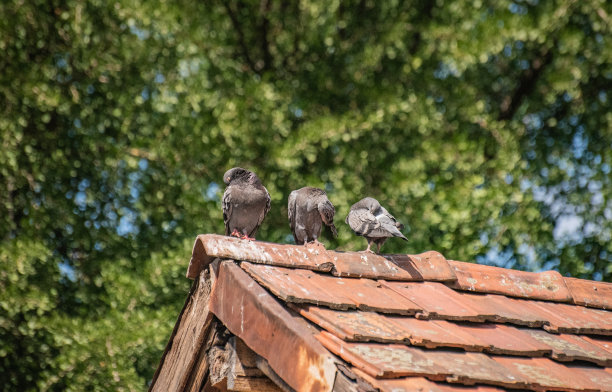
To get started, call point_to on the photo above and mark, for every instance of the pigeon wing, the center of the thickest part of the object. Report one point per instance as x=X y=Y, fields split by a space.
x=389 y=225
x=227 y=208
x=292 y=213
x=392 y=218
x=327 y=212
x=262 y=213
x=363 y=222
x=265 y=210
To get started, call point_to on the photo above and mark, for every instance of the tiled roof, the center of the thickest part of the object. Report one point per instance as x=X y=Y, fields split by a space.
x=409 y=322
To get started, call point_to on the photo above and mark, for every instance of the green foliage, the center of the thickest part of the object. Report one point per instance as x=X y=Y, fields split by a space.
x=28 y=295
x=486 y=128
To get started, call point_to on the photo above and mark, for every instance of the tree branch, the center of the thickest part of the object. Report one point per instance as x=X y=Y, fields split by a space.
x=264 y=8
x=426 y=14
x=241 y=39
x=526 y=84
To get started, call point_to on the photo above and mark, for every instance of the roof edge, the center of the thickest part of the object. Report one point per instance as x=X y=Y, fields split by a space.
x=427 y=266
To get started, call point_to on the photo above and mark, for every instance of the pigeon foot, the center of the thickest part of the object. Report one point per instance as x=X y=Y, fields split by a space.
x=235 y=233
x=368 y=250
x=246 y=237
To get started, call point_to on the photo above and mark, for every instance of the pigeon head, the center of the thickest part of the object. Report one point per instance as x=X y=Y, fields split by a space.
x=368 y=203
x=238 y=174
x=234 y=174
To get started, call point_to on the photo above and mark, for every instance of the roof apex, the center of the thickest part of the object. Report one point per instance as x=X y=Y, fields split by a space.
x=427 y=266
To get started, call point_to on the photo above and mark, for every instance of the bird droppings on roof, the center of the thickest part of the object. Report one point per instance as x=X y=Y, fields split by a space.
x=409 y=322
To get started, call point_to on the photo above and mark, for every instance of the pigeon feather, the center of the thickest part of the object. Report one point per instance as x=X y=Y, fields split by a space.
x=308 y=209
x=246 y=202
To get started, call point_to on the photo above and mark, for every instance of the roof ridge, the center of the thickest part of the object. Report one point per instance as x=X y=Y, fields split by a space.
x=427 y=266
x=545 y=285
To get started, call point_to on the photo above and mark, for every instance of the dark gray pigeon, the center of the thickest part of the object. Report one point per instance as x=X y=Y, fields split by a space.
x=369 y=219
x=308 y=209
x=245 y=203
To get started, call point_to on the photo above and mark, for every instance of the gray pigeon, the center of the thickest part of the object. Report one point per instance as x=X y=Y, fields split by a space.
x=308 y=209
x=369 y=219
x=245 y=203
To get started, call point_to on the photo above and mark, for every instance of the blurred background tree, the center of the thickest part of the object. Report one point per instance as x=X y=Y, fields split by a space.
x=485 y=128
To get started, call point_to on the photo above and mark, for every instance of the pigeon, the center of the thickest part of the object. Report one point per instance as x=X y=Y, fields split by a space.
x=369 y=219
x=308 y=208
x=245 y=203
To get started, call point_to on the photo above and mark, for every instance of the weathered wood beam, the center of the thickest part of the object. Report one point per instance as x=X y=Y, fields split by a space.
x=217 y=356
x=233 y=367
x=252 y=384
x=183 y=349
x=347 y=381
x=264 y=366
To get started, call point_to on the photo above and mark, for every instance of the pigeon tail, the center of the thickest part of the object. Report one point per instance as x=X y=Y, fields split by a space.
x=396 y=233
x=332 y=227
x=327 y=212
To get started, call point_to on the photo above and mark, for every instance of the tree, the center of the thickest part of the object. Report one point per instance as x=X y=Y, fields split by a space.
x=484 y=128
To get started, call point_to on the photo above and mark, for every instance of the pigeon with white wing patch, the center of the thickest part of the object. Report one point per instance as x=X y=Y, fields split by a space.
x=369 y=219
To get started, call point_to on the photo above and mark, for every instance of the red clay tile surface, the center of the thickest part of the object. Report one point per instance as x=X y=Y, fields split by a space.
x=369 y=265
x=547 y=285
x=567 y=347
x=353 y=325
x=429 y=265
x=425 y=266
x=542 y=372
x=597 y=376
x=420 y=322
x=437 y=333
x=304 y=286
x=411 y=384
x=601 y=341
x=590 y=293
x=505 y=309
x=436 y=300
x=394 y=361
x=575 y=319
x=505 y=339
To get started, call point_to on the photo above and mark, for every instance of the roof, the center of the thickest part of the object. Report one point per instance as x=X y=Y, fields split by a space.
x=401 y=322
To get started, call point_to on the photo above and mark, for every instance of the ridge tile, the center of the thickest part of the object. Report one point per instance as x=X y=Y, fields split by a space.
x=590 y=293
x=548 y=285
x=429 y=265
x=370 y=265
x=575 y=319
x=207 y=247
